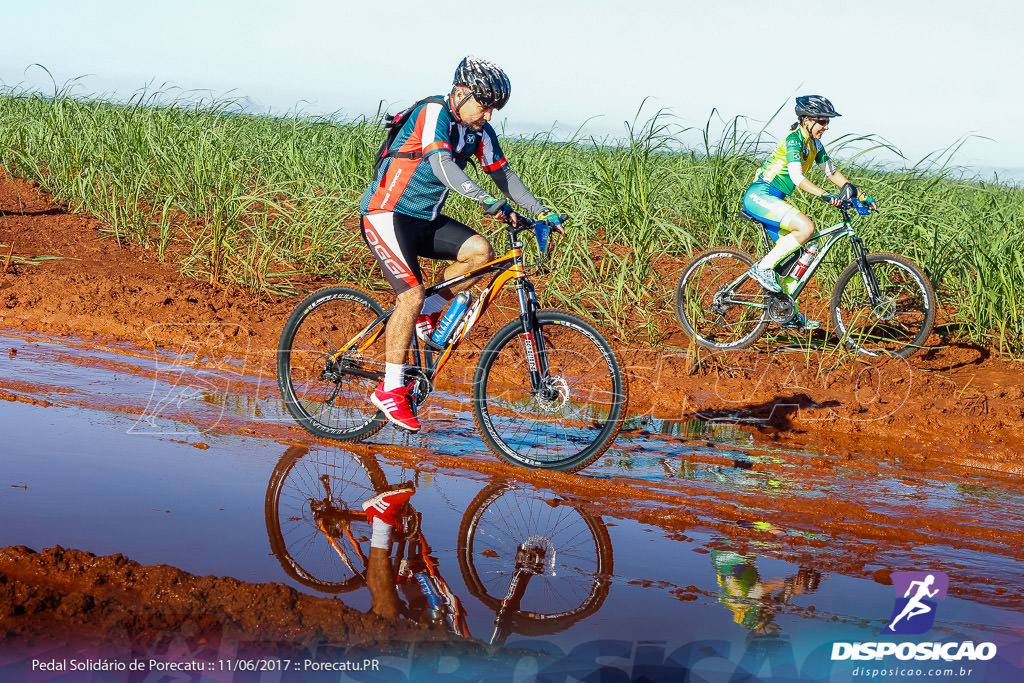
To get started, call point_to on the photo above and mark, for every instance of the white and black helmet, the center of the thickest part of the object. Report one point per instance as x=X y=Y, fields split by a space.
x=489 y=84
x=815 y=106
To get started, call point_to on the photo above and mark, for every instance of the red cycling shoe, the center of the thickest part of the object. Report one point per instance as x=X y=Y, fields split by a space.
x=388 y=505
x=396 y=406
x=426 y=324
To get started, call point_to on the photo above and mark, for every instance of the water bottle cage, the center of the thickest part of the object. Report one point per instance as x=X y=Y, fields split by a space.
x=800 y=267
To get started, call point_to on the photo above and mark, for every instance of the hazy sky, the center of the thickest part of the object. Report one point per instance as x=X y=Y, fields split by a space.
x=919 y=74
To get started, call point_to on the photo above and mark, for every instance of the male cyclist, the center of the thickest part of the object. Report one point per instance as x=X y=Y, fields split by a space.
x=785 y=170
x=402 y=219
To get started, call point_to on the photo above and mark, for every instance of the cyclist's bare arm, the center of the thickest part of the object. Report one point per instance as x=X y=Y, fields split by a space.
x=838 y=178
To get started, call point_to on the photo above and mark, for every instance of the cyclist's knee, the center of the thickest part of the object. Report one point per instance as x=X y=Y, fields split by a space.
x=800 y=226
x=476 y=251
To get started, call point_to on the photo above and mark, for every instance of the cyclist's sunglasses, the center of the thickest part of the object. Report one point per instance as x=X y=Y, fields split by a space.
x=823 y=121
x=491 y=102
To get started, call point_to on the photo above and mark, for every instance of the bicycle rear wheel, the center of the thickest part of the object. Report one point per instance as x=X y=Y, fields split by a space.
x=314 y=518
x=317 y=384
x=713 y=314
x=899 y=322
x=572 y=418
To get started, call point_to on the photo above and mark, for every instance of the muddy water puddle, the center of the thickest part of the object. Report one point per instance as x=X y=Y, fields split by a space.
x=173 y=461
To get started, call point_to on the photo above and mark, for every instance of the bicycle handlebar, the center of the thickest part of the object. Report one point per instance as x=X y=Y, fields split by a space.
x=524 y=223
x=856 y=204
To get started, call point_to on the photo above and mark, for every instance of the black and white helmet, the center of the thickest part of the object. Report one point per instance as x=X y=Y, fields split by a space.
x=815 y=106
x=485 y=79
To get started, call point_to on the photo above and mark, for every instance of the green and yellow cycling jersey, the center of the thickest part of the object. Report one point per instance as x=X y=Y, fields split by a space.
x=797 y=146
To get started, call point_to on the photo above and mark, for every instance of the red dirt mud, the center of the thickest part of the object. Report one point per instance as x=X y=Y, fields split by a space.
x=952 y=410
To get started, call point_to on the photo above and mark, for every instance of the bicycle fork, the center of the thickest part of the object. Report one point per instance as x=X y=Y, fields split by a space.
x=866 y=273
x=529 y=563
x=533 y=341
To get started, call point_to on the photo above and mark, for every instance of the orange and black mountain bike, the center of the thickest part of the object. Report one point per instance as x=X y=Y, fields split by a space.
x=548 y=390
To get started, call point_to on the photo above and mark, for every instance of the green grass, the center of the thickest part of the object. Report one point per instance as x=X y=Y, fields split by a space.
x=258 y=200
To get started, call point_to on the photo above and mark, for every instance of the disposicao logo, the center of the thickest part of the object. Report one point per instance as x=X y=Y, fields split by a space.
x=913 y=614
x=916 y=595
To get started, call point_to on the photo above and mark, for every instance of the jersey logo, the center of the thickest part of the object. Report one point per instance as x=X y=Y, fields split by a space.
x=387 y=196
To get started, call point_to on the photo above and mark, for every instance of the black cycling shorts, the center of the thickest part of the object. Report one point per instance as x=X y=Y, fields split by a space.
x=397 y=241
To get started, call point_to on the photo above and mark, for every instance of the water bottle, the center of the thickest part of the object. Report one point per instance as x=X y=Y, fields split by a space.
x=805 y=260
x=451 y=318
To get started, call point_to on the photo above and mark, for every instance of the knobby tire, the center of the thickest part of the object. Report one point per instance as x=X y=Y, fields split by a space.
x=335 y=407
x=534 y=430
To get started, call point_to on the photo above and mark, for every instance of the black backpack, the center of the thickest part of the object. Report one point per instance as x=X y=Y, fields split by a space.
x=393 y=124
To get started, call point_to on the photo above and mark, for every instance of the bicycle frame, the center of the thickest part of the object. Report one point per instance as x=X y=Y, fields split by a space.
x=831 y=236
x=509 y=267
x=442 y=602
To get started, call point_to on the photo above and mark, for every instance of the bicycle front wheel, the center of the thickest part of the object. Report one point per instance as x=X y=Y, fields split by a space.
x=319 y=385
x=573 y=416
x=714 y=313
x=570 y=550
x=897 y=322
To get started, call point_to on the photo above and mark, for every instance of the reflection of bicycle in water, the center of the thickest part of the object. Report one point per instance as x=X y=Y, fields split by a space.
x=541 y=565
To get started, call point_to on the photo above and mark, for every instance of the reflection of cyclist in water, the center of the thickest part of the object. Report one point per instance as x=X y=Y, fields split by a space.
x=754 y=602
x=914 y=606
x=382 y=511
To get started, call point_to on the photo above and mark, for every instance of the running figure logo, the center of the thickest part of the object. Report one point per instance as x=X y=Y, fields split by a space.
x=914 y=612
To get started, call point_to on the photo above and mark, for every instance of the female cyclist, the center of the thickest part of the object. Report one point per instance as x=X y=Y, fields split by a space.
x=785 y=170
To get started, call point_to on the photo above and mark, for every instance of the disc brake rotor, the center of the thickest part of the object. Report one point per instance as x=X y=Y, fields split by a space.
x=884 y=309
x=553 y=393
x=537 y=555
